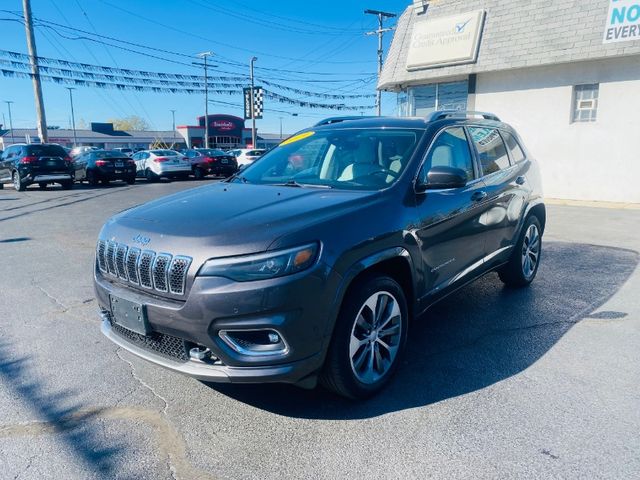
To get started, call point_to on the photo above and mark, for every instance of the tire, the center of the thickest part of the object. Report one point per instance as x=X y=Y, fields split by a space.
x=150 y=176
x=1 y=186
x=18 y=184
x=43 y=185
x=92 y=178
x=348 y=372
x=105 y=182
x=198 y=173
x=131 y=180
x=523 y=265
x=67 y=184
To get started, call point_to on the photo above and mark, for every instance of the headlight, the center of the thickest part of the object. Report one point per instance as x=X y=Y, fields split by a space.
x=261 y=266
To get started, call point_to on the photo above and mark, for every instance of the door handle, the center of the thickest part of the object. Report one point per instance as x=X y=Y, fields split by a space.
x=520 y=180
x=476 y=197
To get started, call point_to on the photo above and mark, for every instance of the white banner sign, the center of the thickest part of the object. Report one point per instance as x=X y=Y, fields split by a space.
x=623 y=22
x=445 y=41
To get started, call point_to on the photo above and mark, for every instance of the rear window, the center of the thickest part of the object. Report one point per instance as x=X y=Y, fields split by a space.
x=517 y=155
x=255 y=152
x=164 y=153
x=211 y=152
x=46 y=151
x=109 y=154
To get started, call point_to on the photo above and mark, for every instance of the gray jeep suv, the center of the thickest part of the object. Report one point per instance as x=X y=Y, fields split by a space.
x=310 y=263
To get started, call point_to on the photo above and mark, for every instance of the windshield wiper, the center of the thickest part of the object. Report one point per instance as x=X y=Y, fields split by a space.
x=294 y=183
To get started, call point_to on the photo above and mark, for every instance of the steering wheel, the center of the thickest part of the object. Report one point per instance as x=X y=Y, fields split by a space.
x=381 y=171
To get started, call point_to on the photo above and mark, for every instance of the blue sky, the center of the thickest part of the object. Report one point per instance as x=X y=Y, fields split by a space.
x=313 y=46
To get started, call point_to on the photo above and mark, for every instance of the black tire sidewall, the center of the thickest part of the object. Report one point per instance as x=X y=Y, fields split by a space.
x=338 y=355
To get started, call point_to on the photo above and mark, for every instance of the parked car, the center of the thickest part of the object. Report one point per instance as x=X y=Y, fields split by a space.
x=153 y=164
x=211 y=162
x=246 y=156
x=75 y=151
x=104 y=166
x=127 y=151
x=306 y=270
x=43 y=164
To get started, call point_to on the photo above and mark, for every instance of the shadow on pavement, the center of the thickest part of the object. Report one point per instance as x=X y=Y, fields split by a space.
x=477 y=337
x=57 y=409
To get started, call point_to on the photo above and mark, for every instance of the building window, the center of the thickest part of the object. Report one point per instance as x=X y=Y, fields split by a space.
x=585 y=102
x=422 y=100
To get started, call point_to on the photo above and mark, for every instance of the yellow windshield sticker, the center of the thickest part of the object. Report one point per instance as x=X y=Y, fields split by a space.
x=295 y=138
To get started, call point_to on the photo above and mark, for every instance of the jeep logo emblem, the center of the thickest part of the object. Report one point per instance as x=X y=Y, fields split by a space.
x=141 y=240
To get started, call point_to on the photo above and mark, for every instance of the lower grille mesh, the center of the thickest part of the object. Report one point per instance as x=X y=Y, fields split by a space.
x=160 y=343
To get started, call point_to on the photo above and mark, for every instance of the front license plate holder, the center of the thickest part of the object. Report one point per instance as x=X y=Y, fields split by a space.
x=130 y=315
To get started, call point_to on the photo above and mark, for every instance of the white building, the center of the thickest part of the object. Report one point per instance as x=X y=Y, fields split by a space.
x=565 y=74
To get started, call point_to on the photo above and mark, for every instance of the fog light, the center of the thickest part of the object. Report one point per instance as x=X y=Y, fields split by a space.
x=274 y=337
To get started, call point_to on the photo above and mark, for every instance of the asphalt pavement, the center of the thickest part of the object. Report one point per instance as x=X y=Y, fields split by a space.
x=534 y=383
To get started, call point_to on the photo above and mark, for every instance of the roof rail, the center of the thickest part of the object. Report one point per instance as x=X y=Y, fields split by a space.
x=330 y=120
x=442 y=114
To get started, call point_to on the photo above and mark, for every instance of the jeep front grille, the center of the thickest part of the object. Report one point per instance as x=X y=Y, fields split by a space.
x=161 y=272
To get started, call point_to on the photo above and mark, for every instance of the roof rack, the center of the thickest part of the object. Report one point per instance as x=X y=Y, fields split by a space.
x=330 y=120
x=442 y=114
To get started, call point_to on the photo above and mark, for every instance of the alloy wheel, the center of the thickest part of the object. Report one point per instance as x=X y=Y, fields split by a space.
x=530 y=251
x=375 y=337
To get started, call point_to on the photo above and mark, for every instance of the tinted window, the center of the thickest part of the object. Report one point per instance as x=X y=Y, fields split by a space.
x=352 y=159
x=517 y=155
x=450 y=149
x=109 y=154
x=46 y=151
x=491 y=149
x=211 y=152
x=253 y=153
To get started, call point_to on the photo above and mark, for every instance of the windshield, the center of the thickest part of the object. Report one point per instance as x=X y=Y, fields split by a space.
x=353 y=159
x=164 y=153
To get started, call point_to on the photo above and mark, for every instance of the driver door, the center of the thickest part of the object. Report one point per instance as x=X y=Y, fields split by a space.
x=449 y=231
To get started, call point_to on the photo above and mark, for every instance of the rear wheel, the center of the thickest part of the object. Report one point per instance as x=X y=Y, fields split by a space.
x=368 y=339
x=131 y=180
x=18 y=184
x=1 y=186
x=42 y=185
x=92 y=178
x=525 y=259
x=150 y=176
x=198 y=173
x=67 y=184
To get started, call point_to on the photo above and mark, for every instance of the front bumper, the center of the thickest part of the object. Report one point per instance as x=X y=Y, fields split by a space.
x=297 y=307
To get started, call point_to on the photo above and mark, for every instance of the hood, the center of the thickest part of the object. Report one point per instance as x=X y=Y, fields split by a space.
x=226 y=219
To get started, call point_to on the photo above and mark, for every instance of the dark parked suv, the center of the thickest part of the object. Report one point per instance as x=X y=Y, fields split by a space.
x=310 y=263
x=43 y=164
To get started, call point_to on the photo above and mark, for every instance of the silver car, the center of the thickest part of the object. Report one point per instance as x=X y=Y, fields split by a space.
x=153 y=164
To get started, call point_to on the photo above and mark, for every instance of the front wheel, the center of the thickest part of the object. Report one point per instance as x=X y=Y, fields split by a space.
x=67 y=184
x=42 y=185
x=525 y=259
x=92 y=178
x=198 y=173
x=368 y=339
x=150 y=176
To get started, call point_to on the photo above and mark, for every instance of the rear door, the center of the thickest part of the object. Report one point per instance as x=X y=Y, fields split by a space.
x=505 y=200
x=449 y=230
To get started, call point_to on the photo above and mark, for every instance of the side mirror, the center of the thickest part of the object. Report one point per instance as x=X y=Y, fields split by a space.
x=441 y=177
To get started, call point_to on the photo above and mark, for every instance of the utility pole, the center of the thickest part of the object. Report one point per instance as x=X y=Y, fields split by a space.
x=9 y=102
x=204 y=56
x=73 y=116
x=173 y=123
x=380 y=32
x=280 y=128
x=253 y=114
x=35 y=71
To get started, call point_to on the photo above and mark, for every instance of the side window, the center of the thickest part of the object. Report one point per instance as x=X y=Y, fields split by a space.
x=450 y=149
x=491 y=149
x=517 y=155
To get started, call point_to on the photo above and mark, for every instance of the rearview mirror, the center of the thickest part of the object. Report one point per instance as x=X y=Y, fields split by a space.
x=441 y=177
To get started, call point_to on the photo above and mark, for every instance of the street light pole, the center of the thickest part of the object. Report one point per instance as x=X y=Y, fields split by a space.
x=280 y=128
x=204 y=56
x=253 y=114
x=173 y=123
x=9 y=102
x=73 y=117
x=380 y=32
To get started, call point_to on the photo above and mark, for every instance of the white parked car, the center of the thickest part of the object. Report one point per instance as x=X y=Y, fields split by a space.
x=153 y=164
x=246 y=156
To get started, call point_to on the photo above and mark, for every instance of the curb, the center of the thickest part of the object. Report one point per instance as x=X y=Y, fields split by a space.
x=593 y=204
